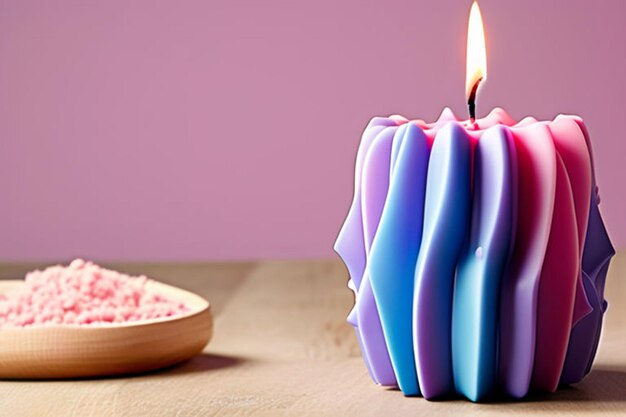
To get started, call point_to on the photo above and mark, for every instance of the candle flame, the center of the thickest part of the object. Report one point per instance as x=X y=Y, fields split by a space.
x=476 y=69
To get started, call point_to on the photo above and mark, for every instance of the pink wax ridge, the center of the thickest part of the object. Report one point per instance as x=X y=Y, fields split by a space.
x=84 y=293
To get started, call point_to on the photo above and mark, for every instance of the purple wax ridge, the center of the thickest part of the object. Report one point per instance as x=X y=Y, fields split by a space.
x=446 y=222
x=375 y=183
x=585 y=334
x=350 y=243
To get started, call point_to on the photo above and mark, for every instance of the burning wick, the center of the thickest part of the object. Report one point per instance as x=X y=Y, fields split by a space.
x=471 y=101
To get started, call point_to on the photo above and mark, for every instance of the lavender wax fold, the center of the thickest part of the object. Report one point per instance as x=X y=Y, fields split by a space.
x=446 y=215
x=477 y=254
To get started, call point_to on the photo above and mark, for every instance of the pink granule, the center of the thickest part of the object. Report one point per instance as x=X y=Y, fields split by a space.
x=83 y=293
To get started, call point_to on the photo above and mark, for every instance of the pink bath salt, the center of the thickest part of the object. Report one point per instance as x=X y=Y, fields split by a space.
x=83 y=293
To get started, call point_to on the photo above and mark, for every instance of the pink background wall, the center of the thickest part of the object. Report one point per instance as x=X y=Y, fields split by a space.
x=227 y=128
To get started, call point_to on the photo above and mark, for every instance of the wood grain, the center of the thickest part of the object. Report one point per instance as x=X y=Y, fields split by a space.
x=282 y=347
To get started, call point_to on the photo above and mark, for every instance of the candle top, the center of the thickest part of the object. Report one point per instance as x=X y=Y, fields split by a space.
x=497 y=116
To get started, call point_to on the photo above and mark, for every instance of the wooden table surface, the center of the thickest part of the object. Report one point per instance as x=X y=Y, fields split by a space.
x=282 y=347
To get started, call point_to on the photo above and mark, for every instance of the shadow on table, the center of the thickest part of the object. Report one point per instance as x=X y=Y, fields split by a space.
x=605 y=384
x=203 y=363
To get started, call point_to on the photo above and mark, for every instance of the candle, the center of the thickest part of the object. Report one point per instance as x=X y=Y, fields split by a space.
x=476 y=250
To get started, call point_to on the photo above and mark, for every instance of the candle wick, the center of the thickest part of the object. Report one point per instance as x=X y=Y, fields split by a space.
x=471 y=101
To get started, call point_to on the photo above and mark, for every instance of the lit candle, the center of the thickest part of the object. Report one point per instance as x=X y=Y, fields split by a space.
x=476 y=249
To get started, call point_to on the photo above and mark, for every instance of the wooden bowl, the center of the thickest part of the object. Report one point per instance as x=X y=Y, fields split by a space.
x=72 y=351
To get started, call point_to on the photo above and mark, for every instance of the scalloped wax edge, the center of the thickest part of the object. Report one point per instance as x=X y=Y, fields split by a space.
x=597 y=255
x=560 y=301
x=375 y=183
x=479 y=273
x=373 y=344
x=394 y=252
x=557 y=287
x=573 y=148
x=445 y=226
x=350 y=243
x=518 y=303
